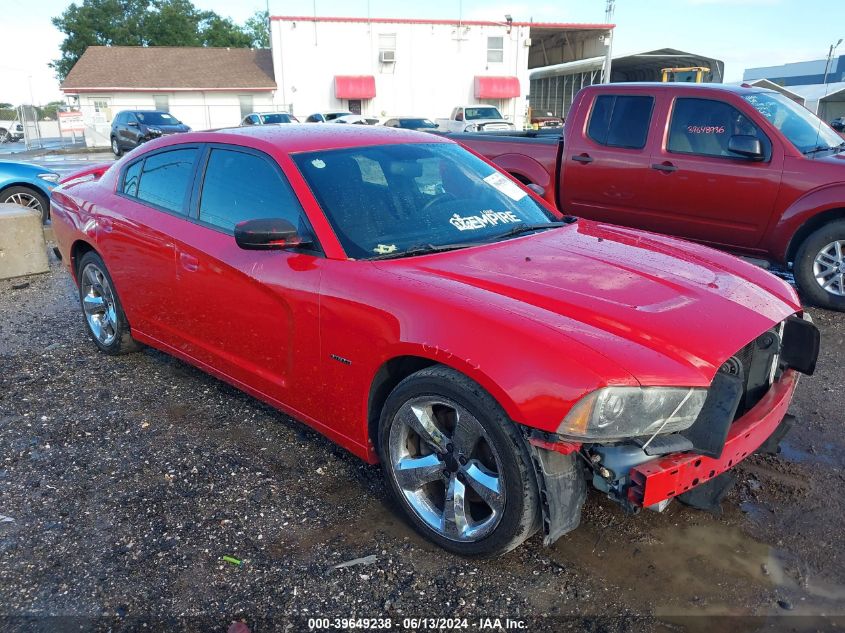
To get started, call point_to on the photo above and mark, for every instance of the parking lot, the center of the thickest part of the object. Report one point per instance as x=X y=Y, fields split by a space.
x=126 y=481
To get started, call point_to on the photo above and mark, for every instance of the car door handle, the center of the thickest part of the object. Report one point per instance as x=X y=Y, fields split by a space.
x=189 y=262
x=583 y=158
x=666 y=167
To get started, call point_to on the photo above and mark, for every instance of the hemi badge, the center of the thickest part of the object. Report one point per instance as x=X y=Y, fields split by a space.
x=341 y=359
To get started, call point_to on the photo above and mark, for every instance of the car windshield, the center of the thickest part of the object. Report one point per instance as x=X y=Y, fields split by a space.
x=416 y=124
x=275 y=118
x=471 y=114
x=387 y=200
x=803 y=129
x=157 y=118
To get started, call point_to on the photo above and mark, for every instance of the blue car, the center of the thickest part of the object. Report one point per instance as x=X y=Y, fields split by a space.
x=27 y=185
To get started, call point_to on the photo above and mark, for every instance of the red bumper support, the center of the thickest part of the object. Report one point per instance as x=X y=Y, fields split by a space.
x=671 y=475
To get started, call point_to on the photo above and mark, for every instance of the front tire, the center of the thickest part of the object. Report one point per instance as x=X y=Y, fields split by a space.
x=457 y=465
x=115 y=147
x=820 y=266
x=29 y=198
x=104 y=317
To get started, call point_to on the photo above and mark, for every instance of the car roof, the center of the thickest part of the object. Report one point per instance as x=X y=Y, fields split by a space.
x=302 y=137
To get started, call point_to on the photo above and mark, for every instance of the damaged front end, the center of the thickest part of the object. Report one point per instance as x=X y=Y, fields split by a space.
x=744 y=410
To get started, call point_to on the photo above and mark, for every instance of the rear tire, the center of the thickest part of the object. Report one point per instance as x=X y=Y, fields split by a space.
x=115 y=147
x=101 y=308
x=466 y=483
x=819 y=266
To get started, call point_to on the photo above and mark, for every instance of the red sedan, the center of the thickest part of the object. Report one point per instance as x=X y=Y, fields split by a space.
x=402 y=296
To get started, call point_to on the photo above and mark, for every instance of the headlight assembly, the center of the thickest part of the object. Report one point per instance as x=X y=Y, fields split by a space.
x=616 y=413
x=49 y=177
x=472 y=127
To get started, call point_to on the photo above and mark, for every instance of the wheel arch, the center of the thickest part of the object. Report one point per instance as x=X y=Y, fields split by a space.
x=396 y=369
x=28 y=185
x=77 y=250
x=809 y=227
x=524 y=169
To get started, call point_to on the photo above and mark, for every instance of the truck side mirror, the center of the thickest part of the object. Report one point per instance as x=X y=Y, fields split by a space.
x=746 y=145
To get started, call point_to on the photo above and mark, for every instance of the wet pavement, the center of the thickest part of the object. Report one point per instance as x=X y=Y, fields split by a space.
x=127 y=480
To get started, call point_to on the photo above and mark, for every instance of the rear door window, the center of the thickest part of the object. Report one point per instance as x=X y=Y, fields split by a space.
x=166 y=178
x=621 y=120
x=242 y=186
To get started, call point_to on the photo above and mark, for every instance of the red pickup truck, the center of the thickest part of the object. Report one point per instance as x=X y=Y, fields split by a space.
x=739 y=168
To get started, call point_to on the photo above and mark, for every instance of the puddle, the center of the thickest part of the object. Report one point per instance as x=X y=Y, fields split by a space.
x=800 y=456
x=709 y=568
x=704 y=569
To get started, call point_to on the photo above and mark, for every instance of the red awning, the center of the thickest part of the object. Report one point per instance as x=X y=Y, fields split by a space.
x=354 y=86
x=496 y=87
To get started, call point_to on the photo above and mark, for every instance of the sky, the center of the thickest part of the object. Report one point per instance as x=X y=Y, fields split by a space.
x=743 y=33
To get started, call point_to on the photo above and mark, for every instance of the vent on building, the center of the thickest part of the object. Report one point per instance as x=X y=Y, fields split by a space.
x=387 y=57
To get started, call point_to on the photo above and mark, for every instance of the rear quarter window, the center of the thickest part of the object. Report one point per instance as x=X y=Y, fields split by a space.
x=621 y=120
x=166 y=178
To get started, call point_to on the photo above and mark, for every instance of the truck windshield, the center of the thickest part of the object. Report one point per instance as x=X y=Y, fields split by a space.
x=803 y=129
x=392 y=200
x=471 y=114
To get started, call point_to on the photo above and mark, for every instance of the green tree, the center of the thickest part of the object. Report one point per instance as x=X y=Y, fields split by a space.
x=217 y=31
x=97 y=22
x=149 y=23
x=258 y=29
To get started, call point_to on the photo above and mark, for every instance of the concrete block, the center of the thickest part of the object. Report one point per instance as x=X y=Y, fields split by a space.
x=22 y=247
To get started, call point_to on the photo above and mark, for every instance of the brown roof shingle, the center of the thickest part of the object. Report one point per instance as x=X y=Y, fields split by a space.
x=171 y=68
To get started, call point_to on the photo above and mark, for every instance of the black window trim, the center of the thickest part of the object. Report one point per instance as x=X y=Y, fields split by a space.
x=199 y=180
x=184 y=213
x=615 y=96
x=767 y=149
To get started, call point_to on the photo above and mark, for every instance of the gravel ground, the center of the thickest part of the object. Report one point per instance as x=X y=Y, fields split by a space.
x=125 y=481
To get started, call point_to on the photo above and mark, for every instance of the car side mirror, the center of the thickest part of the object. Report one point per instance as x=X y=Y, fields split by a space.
x=536 y=189
x=268 y=234
x=132 y=124
x=746 y=145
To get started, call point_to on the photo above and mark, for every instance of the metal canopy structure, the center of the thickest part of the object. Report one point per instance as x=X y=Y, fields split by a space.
x=553 y=88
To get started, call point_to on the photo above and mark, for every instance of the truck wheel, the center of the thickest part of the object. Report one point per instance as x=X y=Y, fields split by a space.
x=457 y=465
x=104 y=317
x=115 y=148
x=820 y=266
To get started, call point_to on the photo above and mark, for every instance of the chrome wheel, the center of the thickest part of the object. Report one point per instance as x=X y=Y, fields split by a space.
x=446 y=468
x=98 y=304
x=25 y=200
x=829 y=268
x=114 y=148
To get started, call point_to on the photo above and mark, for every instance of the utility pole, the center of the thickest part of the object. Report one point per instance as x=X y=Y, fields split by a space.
x=608 y=56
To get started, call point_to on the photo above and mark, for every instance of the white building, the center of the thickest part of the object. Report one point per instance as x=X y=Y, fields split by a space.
x=203 y=87
x=373 y=66
x=393 y=67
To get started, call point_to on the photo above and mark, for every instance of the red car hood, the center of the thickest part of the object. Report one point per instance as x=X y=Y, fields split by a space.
x=665 y=310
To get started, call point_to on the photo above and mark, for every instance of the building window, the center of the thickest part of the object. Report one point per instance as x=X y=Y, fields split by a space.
x=495 y=49
x=246 y=105
x=162 y=102
x=102 y=108
x=387 y=48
